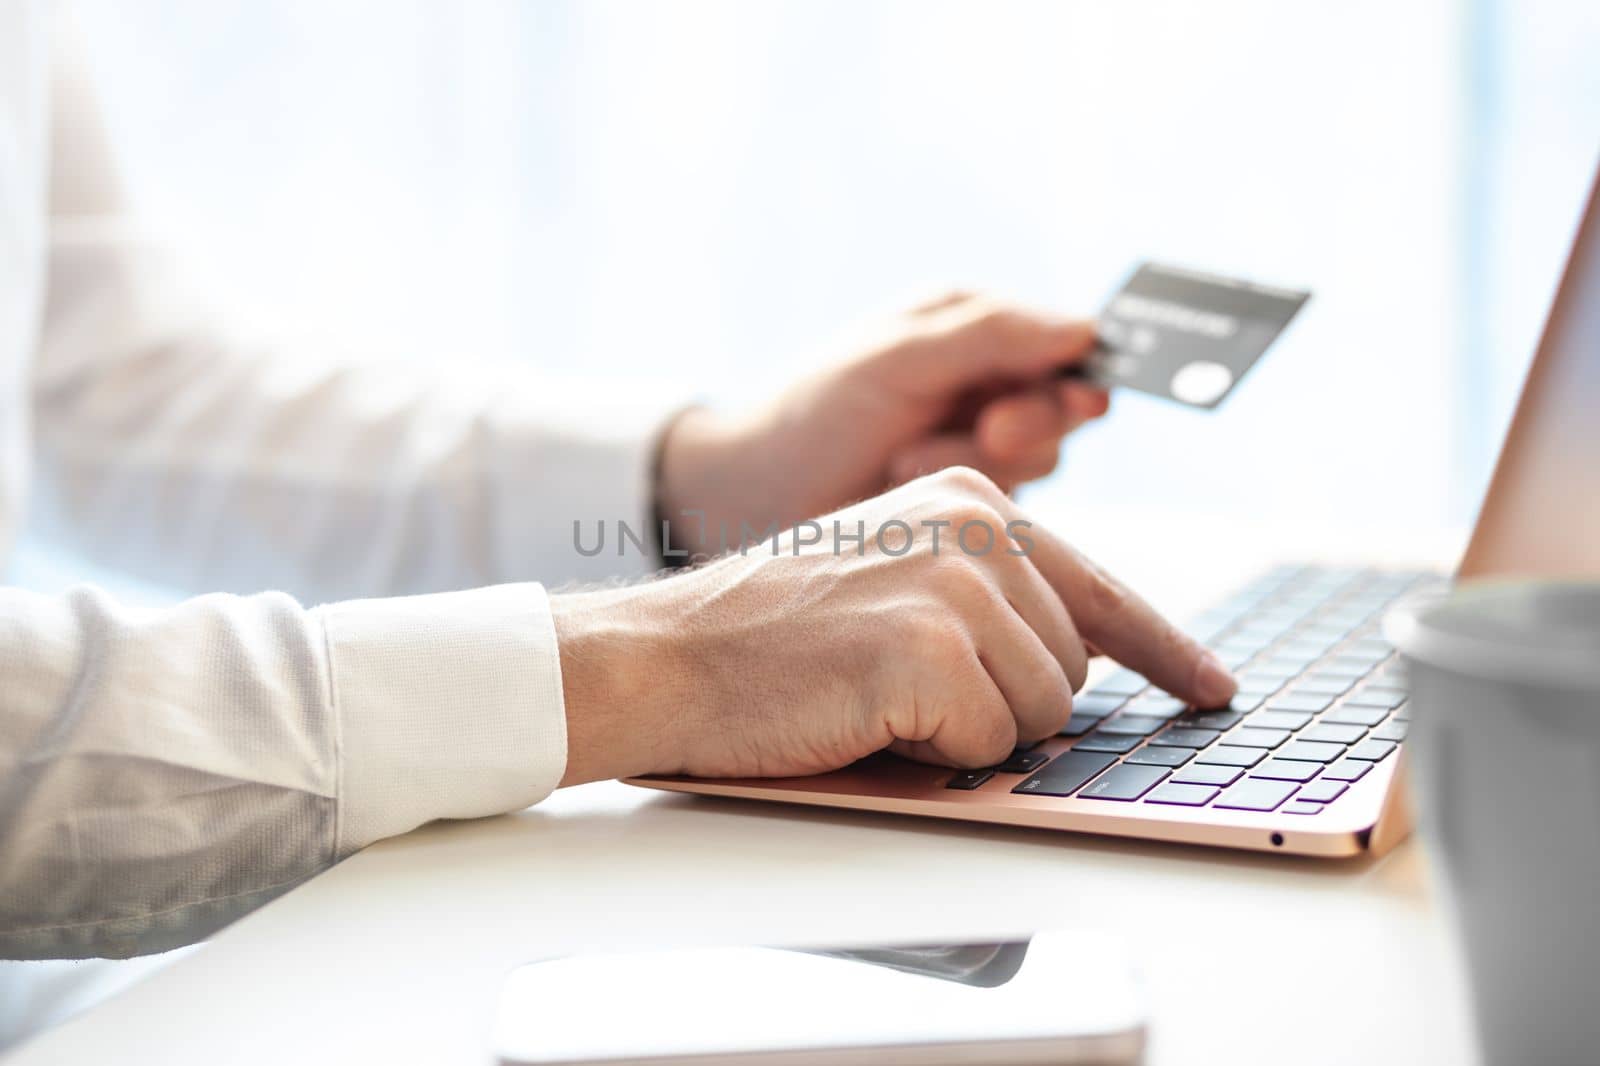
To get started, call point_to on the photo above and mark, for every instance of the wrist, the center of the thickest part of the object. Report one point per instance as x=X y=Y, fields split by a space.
x=710 y=480
x=626 y=707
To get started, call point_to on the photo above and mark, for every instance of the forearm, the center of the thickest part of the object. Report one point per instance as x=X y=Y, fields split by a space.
x=166 y=771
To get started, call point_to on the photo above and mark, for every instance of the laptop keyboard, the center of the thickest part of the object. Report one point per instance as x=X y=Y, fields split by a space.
x=1322 y=699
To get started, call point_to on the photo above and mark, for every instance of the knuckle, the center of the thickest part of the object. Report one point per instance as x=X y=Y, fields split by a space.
x=978 y=528
x=965 y=582
x=995 y=733
x=1051 y=687
x=942 y=637
x=985 y=513
x=975 y=532
x=966 y=480
x=961 y=508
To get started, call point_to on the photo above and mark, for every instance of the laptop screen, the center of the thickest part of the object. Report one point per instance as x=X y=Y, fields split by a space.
x=1541 y=517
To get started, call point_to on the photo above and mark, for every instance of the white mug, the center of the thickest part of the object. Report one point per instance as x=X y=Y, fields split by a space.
x=1505 y=740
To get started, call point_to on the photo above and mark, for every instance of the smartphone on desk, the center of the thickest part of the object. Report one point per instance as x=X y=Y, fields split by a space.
x=1058 y=997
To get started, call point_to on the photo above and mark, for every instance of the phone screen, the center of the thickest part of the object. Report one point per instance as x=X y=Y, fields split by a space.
x=1057 y=997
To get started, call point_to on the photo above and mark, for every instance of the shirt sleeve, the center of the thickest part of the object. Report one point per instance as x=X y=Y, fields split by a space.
x=163 y=772
x=168 y=448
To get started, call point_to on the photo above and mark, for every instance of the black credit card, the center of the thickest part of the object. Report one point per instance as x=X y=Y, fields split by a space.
x=1187 y=335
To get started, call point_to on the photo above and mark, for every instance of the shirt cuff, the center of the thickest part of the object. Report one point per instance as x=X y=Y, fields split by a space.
x=448 y=705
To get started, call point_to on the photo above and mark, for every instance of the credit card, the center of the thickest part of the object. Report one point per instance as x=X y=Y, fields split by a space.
x=1186 y=335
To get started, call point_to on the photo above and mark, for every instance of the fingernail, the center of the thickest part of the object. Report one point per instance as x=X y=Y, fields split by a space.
x=1213 y=683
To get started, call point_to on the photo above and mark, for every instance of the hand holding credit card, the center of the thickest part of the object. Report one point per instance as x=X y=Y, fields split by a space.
x=1186 y=335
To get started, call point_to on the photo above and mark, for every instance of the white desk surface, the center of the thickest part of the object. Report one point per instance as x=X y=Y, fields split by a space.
x=397 y=954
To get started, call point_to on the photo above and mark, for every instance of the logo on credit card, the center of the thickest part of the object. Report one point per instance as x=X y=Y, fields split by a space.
x=1174 y=316
x=1186 y=335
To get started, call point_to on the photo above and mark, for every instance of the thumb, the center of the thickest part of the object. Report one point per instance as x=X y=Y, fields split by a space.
x=973 y=341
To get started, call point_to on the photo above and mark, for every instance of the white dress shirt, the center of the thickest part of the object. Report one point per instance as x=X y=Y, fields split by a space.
x=164 y=771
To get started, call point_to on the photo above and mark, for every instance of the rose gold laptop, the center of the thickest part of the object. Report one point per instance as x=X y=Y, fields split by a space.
x=1310 y=757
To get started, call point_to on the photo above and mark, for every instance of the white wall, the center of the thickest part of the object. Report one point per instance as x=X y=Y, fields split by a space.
x=707 y=192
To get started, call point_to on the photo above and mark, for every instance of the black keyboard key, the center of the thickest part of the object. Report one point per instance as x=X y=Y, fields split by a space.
x=1336 y=666
x=1242 y=641
x=1374 y=646
x=1125 y=783
x=1251 y=737
x=1392 y=674
x=1149 y=756
x=1123 y=682
x=1179 y=794
x=1345 y=664
x=1236 y=644
x=1023 y=762
x=1356 y=659
x=1261 y=632
x=1094 y=705
x=1269 y=670
x=1182 y=736
x=1078 y=725
x=1212 y=720
x=1201 y=774
x=1307 y=687
x=1391 y=730
x=1065 y=774
x=1226 y=755
x=1367 y=716
x=1310 y=751
x=1208 y=627
x=1372 y=750
x=1292 y=665
x=1299 y=806
x=1276 y=619
x=1315 y=626
x=1130 y=725
x=1378 y=696
x=1325 y=682
x=967 y=780
x=1323 y=791
x=1116 y=745
x=1158 y=706
x=1334 y=733
x=1349 y=770
x=1256 y=794
x=1271 y=719
x=1302 y=703
x=1303 y=650
x=1286 y=770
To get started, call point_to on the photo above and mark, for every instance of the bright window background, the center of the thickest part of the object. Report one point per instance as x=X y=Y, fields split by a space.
x=711 y=194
